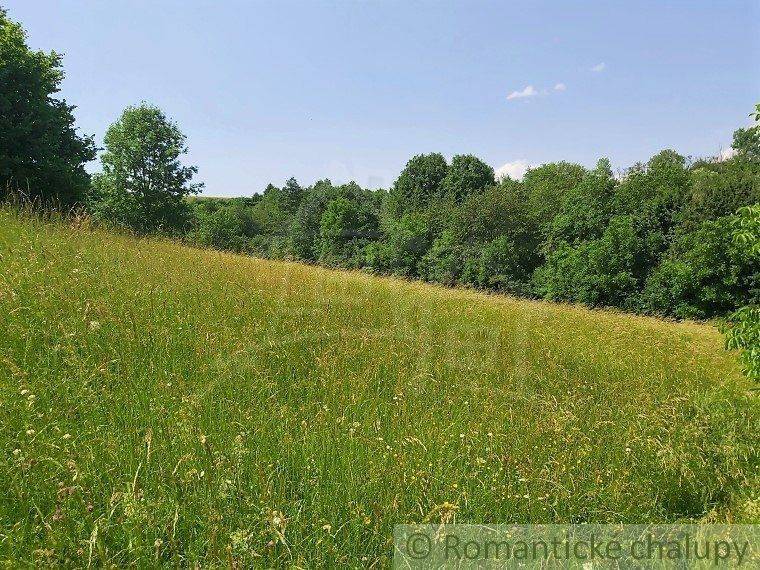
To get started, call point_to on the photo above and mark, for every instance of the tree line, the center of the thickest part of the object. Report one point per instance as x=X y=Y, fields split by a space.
x=671 y=236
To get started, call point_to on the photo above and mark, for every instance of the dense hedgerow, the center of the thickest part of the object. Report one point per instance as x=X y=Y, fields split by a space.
x=656 y=240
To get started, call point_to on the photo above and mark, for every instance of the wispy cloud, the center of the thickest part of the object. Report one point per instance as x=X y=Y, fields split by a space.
x=529 y=91
x=599 y=67
x=560 y=87
x=515 y=169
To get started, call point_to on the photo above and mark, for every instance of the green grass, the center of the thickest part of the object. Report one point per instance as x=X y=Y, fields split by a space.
x=167 y=404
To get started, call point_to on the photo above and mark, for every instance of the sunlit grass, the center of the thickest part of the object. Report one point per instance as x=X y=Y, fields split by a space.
x=167 y=404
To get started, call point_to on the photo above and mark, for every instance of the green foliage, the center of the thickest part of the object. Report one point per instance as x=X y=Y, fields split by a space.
x=747 y=229
x=655 y=193
x=347 y=227
x=744 y=335
x=466 y=175
x=41 y=154
x=705 y=273
x=585 y=209
x=444 y=261
x=743 y=332
x=305 y=229
x=545 y=188
x=291 y=196
x=490 y=241
x=143 y=184
x=418 y=183
x=719 y=188
x=604 y=272
x=502 y=265
x=227 y=225
x=747 y=141
x=404 y=246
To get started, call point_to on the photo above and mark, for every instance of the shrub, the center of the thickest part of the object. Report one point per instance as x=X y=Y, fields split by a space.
x=705 y=273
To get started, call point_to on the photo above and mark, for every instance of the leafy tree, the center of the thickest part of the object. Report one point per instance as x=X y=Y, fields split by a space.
x=608 y=271
x=444 y=261
x=305 y=229
x=403 y=247
x=271 y=212
x=143 y=184
x=719 y=189
x=41 y=153
x=705 y=273
x=747 y=141
x=501 y=265
x=744 y=330
x=546 y=186
x=418 y=183
x=291 y=196
x=466 y=175
x=227 y=225
x=347 y=226
x=655 y=193
x=585 y=209
x=498 y=237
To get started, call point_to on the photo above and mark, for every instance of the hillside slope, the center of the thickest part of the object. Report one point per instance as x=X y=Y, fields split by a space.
x=166 y=403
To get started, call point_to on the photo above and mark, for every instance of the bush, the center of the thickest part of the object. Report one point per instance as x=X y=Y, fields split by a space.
x=404 y=246
x=604 y=272
x=743 y=333
x=346 y=228
x=228 y=227
x=706 y=273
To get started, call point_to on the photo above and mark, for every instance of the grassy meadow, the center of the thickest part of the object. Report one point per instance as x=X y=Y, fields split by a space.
x=167 y=405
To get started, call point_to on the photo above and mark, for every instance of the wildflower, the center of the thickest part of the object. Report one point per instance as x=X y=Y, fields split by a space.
x=278 y=520
x=94 y=325
x=67 y=436
x=30 y=432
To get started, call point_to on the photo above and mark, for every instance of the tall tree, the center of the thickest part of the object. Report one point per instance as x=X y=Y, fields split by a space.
x=466 y=175
x=143 y=184
x=419 y=182
x=41 y=152
x=546 y=187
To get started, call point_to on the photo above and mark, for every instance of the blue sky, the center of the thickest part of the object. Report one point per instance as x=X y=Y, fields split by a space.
x=351 y=90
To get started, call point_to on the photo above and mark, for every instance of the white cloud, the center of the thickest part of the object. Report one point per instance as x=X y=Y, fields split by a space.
x=529 y=91
x=515 y=169
x=599 y=67
x=726 y=153
x=560 y=87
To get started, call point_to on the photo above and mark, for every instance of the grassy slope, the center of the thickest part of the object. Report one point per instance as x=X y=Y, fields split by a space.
x=161 y=401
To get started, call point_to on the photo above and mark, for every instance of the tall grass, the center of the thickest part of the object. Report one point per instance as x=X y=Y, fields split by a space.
x=163 y=404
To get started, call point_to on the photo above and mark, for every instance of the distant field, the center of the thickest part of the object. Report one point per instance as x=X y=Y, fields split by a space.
x=167 y=404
